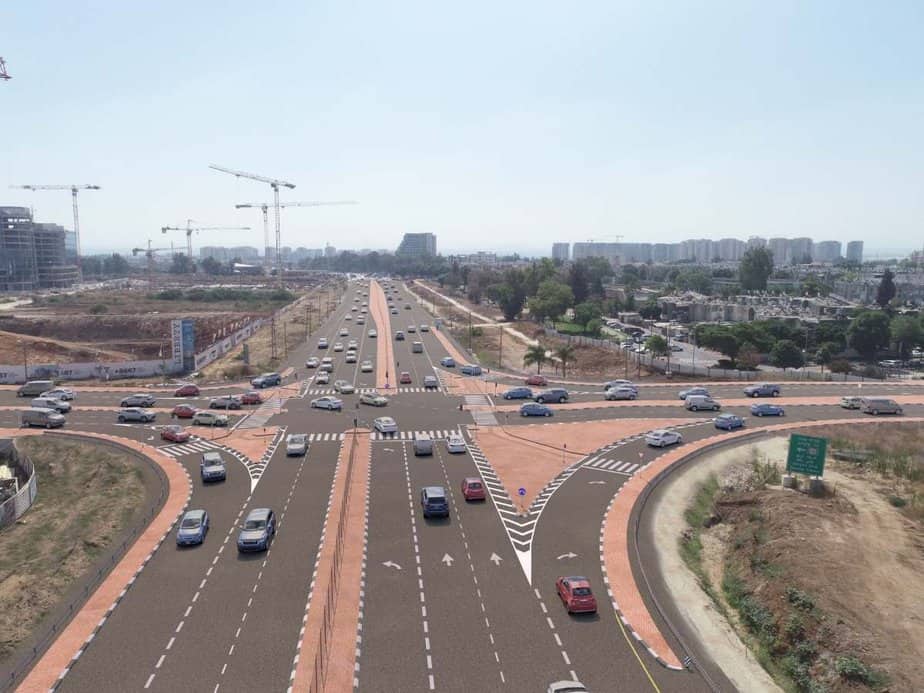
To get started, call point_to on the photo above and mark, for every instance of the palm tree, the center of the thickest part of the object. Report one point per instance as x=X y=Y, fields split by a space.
x=564 y=353
x=535 y=354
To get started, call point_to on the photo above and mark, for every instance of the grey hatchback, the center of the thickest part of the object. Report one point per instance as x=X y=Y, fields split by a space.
x=257 y=531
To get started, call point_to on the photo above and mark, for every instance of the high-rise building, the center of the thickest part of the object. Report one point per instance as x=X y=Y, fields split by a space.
x=827 y=251
x=780 y=249
x=330 y=251
x=561 y=251
x=730 y=249
x=417 y=245
x=582 y=251
x=757 y=242
x=800 y=250
x=855 y=252
x=32 y=255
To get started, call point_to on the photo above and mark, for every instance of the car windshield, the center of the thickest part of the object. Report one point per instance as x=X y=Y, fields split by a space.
x=254 y=524
x=581 y=591
x=191 y=522
x=474 y=484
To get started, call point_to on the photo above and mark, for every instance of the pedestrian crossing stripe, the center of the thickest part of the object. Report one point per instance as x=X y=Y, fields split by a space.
x=409 y=435
x=380 y=390
x=606 y=465
x=325 y=437
x=188 y=448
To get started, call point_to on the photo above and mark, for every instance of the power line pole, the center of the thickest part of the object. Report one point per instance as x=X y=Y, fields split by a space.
x=274 y=348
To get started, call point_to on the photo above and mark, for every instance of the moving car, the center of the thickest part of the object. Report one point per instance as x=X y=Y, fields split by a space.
x=411 y=329
x=385 y=424
x=701 y=402
x=473 y=489
x=729 y=422
x=470 y=369
x=252 y=397
x=313 y=362
x=34 y=387
x=399 y=336
x=327 y=402
x=338 y=346
x=62 y=393
x=266 y=380
x=344 y=332
x=765 y=409
x=535 y=409
x=566 y=687
x=224 y=402
x=405 y=378
x=694 y=391
x=576 y=595
x=518 y=393
x=353 y=345
x=430 y=382
x=344 y=387
x=417 y=347
x=139 y=400
x=537 y=380
x=193 y=528
x=556 y=394
x=424 y=327
x=187 y=390
x=876 y=406
x=322 y=343
x=448 y=362
x=373 y=334
x=621 y=392
x=373 y=399
x=257 y=531
x=394 y=311
x=46 y=418
x=365 y=367
x=350 y=357
x=423 y=445
x=59 y=405
x=456 y=443
x=212 y=467
x=183 y=411
x=662 y=437
x=851 y=402
x=322 y=378
x=433 y=501
x=209 y=418
x=136 y=414
x=610 y=384
x=296 y=445
x=174 y=433
x=762 y=390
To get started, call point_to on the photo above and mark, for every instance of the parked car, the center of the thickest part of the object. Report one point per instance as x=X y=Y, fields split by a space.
x=193 y=528
x=187 y=390
x=327 y=402
x=34 y=387
x=662 y=437
x=456 y=443
x=252 y=397
x=701 y=403
x=257 y=531
x=576 y=595
x=136 y=414
x=701 y=391
x=448 y=362
x=209 y=418
x=174 y=433
x=537 y=380
x=212 y=467
x=266 y=380
x=405 y=378
x=729 y=422
x=876 y=406
x=433 y=501
x=518 y=393
x=45 y=418
x=224 y=402
x=183 y=411
x=762 y=390
x=385 y=424
x=621 y=392
x=62 y=393
x=851 y=402
x=556 y=394
x=373 y=399
x=610 y=384
x=766 y=409
x=296 y=445
x=344 y=387
x=470 y=369
x=535 y=409
x=139 y=400
x=473 y=489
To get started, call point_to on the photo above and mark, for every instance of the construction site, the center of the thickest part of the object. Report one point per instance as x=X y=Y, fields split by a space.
x=33 y=255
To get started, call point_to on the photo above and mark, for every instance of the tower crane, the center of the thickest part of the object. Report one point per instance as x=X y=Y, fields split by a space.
x=4 y=75
x=264 y=206
x=275 y=184
x=149 y=254
x=189 y=228
x=73 y=189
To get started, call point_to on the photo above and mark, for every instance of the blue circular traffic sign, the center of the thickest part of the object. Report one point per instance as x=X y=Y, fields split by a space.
x=521 y=491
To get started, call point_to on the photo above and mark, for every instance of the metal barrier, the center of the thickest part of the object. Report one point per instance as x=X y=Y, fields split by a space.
x=16 y=505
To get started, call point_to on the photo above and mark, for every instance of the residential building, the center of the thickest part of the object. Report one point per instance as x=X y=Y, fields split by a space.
x=756 y=242
x=589 y=249
x=330 y=251
x=32 y=255
x=800 y=251
x=730 y=249
x=855 y=252
x=780 y=249
x=561 y=251
x=827 y=251
x=417 y=245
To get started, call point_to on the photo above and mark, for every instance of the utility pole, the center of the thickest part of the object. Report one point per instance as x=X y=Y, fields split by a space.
x=469 y=330
x=285 y=341
x=307 y=320
x=274 y=349
x=500 y=350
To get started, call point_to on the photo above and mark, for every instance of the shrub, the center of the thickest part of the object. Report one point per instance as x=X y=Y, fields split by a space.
x=852 y=669
x=898 y=501
x=794 y=628
x=800 y=599
x=99 y=309
x=839 y=366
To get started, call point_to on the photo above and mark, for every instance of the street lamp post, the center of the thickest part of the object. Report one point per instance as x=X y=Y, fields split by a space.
x=469 y=330
x=25 y=358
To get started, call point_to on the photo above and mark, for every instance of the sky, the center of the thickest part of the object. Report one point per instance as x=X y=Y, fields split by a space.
x=496 y=125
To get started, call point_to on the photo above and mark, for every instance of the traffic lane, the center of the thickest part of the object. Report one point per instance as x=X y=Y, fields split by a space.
x=210 y=624
x=419 y=412
x=459 y=631
x=113 y=398
x=393 y=653
x=262 y=658
x=511 y=606
x=147 y=616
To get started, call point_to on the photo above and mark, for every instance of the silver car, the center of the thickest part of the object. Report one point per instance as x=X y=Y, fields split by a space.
x=616 y=393
x=344 y=387
x=385 y=424
x=296 y=445
x=212 y=467
x=327 y=402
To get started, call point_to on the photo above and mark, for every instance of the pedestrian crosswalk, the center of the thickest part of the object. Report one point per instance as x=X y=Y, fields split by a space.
x=325 y=437
x=195 y=445
x=604 y=464
x=479 y=406
x=262 y=414
x=359 y=390
x=410 y=435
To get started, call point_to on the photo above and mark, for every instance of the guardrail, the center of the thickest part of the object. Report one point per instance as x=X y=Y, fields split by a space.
x=16 y=505
x=333 y=585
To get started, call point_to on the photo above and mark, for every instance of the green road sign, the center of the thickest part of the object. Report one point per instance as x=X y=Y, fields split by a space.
x=806 y=455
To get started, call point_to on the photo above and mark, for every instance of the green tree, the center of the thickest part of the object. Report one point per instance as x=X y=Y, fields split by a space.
x=657 y=345
x=907 y=333
x=868 y=333
x=651 y=310
x=587 y=311
x=718 y=338
x=885 y=292
x=535 y=354
x=787 y=354
x=212 y=266
x=551 y=300
x=115 y=266
x=593 y=327
x=630 y=276
x=578 y=279
x=748 y=356
x=755 y=269
x=694 y=279
x=565 y=354
x=537 y=273
x=182 y=264
x=599 y=271
x=826 y=352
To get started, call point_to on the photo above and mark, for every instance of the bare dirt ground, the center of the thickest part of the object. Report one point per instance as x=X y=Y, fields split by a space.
x=88 y=496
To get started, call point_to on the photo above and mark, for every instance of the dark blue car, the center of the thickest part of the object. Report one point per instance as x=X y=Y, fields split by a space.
x=729 y=422
x=448 y=362
x=433 y=501
x=767 y=410
x=193 y=528
x=518 y=393
x=535 y=409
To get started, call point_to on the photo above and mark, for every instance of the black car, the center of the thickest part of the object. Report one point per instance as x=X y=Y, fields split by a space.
x=555 y=394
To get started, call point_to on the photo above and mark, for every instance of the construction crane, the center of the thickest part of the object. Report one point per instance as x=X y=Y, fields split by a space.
x=73 y=189
x=275 y=184
x=4 y=75
x=189 y=228
x=149 y=253
x=264 y=206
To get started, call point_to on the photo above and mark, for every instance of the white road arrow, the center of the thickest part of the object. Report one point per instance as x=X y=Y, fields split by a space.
x=495 y=558
x=596 y=482
x=447 y=559
x=567 y=555
x=391 y=564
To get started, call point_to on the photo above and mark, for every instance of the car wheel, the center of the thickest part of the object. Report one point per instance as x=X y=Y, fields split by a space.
x=694 y=408
x=541 y=400
x=776 y=394
x=631 y=396
x=756 y=395
x=523 y=413
x=561 y=400
x=548 y=413
x=875 y=412
x=760 y=413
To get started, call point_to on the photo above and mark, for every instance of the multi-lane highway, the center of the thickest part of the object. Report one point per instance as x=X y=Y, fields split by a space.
x=447 y=604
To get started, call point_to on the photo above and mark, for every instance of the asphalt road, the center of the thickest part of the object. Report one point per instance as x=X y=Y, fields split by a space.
x=447 y=605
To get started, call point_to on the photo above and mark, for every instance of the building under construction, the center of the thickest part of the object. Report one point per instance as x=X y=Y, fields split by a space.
x=32 y=255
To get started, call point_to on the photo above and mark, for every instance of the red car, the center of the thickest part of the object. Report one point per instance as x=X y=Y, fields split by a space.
x=183 y=411
x=537 y=379
x=175 y=434
x=187 y=390
x=472 y=488
x=576 y=595
x=252 y=397
x=405 y=378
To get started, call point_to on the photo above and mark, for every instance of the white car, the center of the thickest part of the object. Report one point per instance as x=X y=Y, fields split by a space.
x=385 y=424
x=350 y=357
x=63 y=393
x=327 y=402
x=663 y=437
x=348 y=317
x=344 y=332
x=455 y=443
x=313 y=362
x=322 y=378
x=338 y=347
x=366 y=367
x=353 y=345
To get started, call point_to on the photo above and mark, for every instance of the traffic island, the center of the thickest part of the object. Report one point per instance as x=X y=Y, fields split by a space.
x=385 y=374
